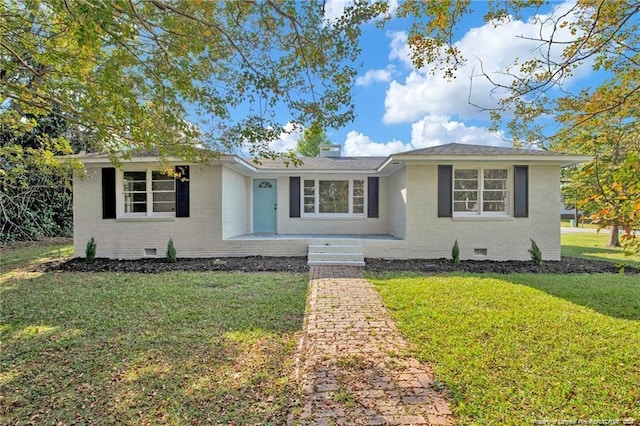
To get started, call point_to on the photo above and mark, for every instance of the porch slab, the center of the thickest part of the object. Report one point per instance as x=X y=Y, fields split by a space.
x=273 y=236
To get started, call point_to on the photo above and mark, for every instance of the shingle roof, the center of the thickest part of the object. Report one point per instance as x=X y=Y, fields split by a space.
x=463 y=149
x=360 y=164
x=323 y=163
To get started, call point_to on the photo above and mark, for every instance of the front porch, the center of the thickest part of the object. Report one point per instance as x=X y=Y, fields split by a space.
x=316 y=238
x=324 y=249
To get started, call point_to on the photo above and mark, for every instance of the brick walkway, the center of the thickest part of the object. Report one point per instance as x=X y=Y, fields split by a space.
x=352 y=366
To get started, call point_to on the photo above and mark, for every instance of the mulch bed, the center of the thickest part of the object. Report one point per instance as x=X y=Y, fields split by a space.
x=568 y=265
x=299 y=264
x=146 y=266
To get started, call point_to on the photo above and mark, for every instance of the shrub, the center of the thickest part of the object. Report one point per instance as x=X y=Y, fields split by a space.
x=534 y=251
x=171 y=252
x=455 y=254
x=35 y=189
x=90 y=251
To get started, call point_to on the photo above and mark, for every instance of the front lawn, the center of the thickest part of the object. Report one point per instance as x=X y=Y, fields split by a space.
x=519 y=348
x=173 y=348
x=585 y=223
x=593 y=246
x=32 y=255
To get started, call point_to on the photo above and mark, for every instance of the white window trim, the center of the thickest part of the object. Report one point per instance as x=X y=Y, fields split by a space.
x=480 y=212
x=317 y=214
x=120 y=213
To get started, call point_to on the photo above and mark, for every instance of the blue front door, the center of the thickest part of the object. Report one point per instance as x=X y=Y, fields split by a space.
x=264 y=205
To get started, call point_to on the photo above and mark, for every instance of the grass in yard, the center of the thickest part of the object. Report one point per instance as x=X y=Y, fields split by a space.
x=174 y=348
x=583 y=224
x=592 y=246
x=29 y=256
x=518 y=348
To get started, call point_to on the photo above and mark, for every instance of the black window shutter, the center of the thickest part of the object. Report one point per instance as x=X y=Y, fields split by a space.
x=445 y=191
x=373 y=203
x=521 y=191
x=108 y=193
x=294 y=196
x=182 y=191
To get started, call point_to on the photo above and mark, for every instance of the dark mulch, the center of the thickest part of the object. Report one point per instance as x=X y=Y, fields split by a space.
x=567 y=265
x=146 y=266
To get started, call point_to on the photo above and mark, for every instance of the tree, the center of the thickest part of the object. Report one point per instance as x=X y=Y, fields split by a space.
x=170 y=77
x=625 y=210
x=311 y=140
x=35 y=189
x=604 y=34
x=605 y=186
x=176 y=76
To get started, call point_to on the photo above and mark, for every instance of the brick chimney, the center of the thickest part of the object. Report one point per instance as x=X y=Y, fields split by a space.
x=330 y=150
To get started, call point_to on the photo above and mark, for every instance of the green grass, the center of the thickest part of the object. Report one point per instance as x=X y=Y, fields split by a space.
x=592 y=246
x=514 y=349
x=29 y=256
x=583 y=224
x=174 y=348
x=181 y=348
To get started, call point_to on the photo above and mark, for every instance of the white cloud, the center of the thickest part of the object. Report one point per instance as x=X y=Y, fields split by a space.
x=357 y=144
x=435 y=130
x=375 y=76
x=288 y=140
x=489 y=49
x=431 y=130
x=333 y=9
x=399 y=48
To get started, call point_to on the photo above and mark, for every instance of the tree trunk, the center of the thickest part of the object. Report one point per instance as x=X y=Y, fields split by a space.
x=614 y=241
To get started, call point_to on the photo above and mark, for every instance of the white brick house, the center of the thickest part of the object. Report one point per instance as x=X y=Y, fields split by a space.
x=408 y=205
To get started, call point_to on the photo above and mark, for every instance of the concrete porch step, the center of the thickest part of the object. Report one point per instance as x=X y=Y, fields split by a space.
x=334 y=248
x=335 y=263
x=335 y=257
x=335 y=254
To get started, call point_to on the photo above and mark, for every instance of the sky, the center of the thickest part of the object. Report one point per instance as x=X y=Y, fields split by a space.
x=400 y=108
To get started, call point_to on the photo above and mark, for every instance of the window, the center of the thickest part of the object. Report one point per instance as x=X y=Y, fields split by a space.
x=148 y=192
x=135 y=192
x=333 y=197
x=465 y=190
x=358 y=197
x=309 y=196
x=494 y=191
x=480 y=191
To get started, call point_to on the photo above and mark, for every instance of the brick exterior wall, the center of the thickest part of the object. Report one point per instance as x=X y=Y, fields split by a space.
x=408 y=209
x=397 y=203
x=194 y=236
x=236 y=190
x=351 y=225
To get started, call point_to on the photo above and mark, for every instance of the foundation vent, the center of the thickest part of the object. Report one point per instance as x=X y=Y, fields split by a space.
x=150 y=252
